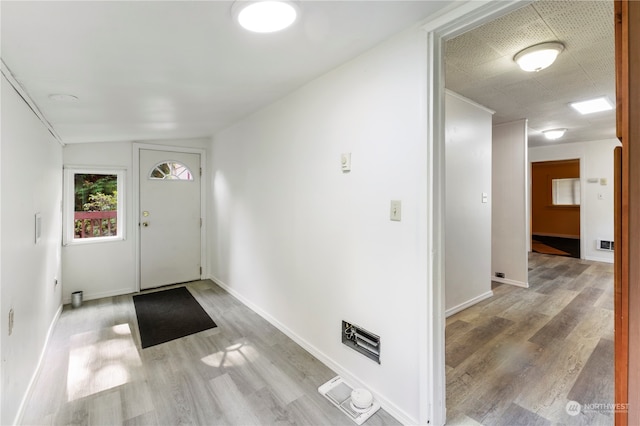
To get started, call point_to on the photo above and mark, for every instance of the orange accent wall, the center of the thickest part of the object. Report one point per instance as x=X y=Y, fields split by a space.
x=547 y=219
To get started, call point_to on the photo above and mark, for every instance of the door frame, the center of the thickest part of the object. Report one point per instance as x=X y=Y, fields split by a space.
x=627 y=285
x=583 y=198
x=136 y=200
x=451 y=23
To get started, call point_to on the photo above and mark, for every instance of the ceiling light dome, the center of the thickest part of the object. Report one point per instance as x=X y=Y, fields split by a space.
x=553 y=134
x=538 y=57
x=265 y=16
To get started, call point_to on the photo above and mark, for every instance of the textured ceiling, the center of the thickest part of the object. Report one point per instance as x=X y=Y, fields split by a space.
x=479 y=66
x=178 y=69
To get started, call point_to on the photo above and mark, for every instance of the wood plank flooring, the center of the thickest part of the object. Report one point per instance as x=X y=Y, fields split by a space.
x=244 y=372
x=519 y=357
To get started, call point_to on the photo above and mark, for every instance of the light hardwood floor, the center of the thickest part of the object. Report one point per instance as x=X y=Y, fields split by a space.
x=519 y=357
x=244 y=372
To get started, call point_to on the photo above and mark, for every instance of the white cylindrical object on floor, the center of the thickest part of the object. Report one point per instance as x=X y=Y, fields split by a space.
x=361 y=398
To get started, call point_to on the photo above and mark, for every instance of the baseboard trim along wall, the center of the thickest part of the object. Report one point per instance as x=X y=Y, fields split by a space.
x=599 y=259
x=387 y=405
x=92 y=296
x=510 y=282
x=468 y=303
x=36 y=373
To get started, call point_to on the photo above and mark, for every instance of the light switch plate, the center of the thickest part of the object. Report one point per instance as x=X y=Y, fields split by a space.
x=345 y=161
x=395 y=211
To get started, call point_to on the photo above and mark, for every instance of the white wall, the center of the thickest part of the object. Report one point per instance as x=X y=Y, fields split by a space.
x=510 y=211
x=104 y=268
x=107 y=268
x=596 y=214
x=307 y=245
x=468 y=219
x=31 y=182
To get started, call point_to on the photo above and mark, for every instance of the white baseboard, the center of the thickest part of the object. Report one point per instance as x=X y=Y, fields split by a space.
x=91 y=296
x=468 y=303
x=387 y=405
x=599 y=259
x=510 y=282
x=36 y=373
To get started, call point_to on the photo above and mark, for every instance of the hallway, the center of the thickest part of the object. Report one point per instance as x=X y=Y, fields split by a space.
x=521 y=356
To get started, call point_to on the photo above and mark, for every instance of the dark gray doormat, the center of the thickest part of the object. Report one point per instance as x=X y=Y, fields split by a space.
x=169 y=314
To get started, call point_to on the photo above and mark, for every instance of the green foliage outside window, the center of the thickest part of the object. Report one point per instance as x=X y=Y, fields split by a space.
x=96 y=186
x=95 y=193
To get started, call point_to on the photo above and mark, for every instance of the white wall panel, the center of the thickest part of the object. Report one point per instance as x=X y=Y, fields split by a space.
x=103 y=268
x=307 y=245
x=510 y=215
x=468 y=219
x=31 y=182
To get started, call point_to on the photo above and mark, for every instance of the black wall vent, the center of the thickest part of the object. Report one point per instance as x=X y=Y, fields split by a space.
x=361 y=340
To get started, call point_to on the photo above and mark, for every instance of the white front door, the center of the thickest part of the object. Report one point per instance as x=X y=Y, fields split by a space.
x=169 y=218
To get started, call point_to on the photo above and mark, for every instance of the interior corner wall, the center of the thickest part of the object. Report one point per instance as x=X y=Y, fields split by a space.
x=308 y=245
x=31 y=183
x=596 y=159
x=510 y=211
x=83 y=265
x=467 y=217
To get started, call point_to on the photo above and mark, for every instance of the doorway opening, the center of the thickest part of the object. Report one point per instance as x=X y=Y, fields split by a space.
x=496 y=403
x=555 y=207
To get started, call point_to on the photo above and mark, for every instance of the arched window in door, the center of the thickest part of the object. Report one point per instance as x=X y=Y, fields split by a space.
x=170 y=170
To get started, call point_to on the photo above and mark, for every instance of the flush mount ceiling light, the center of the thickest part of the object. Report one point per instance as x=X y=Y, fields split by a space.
x=538 y=57
x=553 y=134
x=593 y=105
x=265 y=16
x=63 y=97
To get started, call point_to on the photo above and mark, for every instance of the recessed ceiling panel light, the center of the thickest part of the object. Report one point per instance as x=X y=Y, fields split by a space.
x=593 y=105
x=63 y=97
x=538 y=57
x=265 y=16
x=553 y=134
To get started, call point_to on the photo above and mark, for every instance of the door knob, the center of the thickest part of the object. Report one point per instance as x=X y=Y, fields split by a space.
x=145 y=224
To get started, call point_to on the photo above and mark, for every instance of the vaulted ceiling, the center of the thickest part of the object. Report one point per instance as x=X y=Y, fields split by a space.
x=178 y=69
x=480 y=66
x=146 y=70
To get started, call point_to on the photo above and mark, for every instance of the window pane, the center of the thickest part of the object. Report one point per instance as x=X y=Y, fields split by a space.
x=566 y=192
x=171 y=170
x=95 y=205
